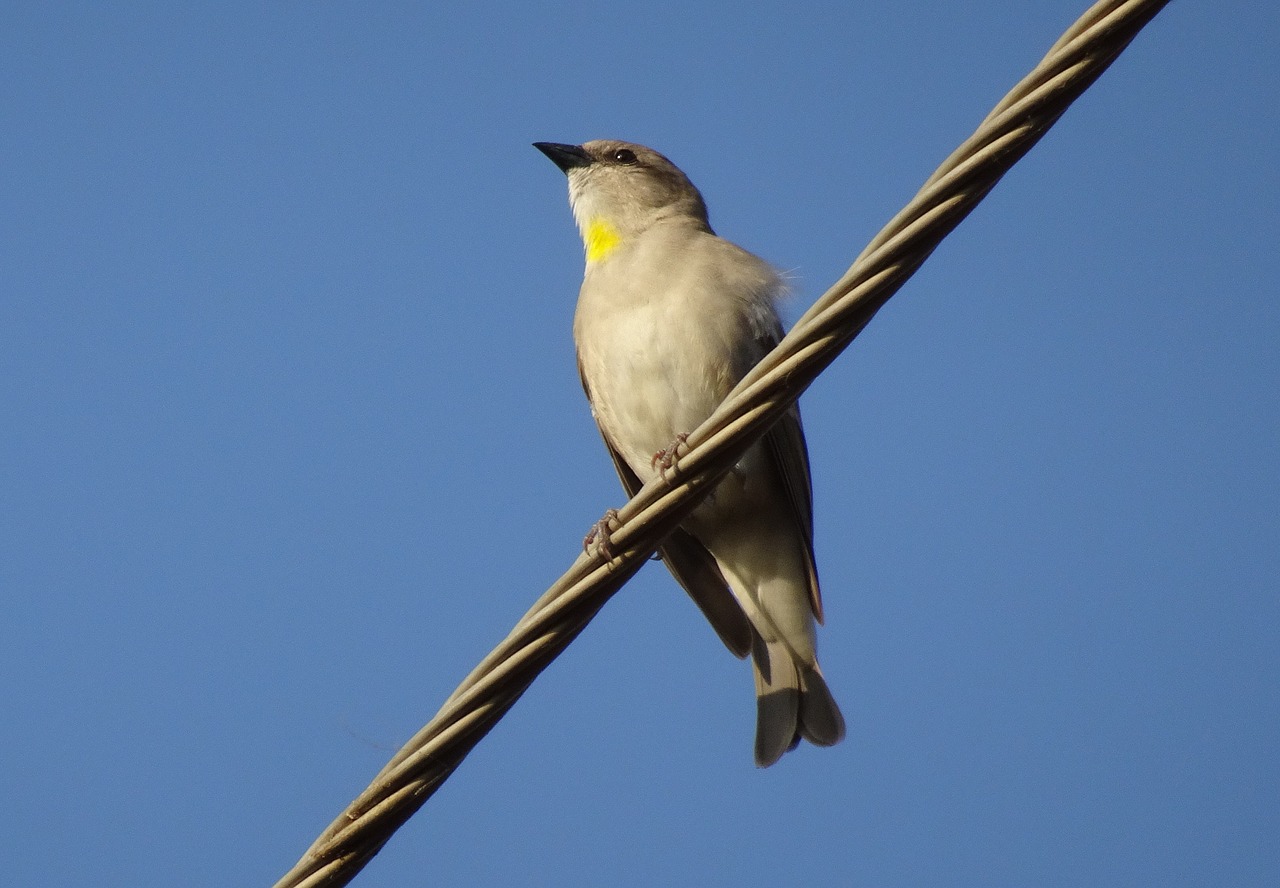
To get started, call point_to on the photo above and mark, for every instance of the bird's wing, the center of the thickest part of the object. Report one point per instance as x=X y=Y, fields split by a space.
x=692 y=566
x=786 y=446
x=785 y=443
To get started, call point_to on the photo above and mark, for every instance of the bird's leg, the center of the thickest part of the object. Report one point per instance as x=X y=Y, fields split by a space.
x=666 y=459
x=598 y=535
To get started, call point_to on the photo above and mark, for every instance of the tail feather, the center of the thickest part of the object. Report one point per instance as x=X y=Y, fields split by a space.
x=777 y=701
x=792 y=702
x=820 y=720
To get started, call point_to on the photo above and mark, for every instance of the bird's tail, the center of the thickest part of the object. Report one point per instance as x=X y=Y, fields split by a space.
x=792 y=702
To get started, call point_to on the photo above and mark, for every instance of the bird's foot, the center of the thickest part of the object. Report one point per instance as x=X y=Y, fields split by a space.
x=598 y=535
x=667 y=459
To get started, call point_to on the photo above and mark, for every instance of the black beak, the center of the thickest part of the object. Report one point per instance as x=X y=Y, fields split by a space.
x=564 y=156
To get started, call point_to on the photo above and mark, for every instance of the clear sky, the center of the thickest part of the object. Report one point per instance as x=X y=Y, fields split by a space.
x=291 y=435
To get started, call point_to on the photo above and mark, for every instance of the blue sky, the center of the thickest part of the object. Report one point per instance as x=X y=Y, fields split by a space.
x=292 y=435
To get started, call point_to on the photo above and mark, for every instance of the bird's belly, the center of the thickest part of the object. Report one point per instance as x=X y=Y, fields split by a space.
x=648 y=388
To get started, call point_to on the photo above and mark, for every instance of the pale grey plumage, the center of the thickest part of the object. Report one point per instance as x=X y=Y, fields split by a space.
x=669 y=318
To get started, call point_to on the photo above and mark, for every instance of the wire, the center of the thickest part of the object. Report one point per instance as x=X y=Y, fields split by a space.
x=1012 y=128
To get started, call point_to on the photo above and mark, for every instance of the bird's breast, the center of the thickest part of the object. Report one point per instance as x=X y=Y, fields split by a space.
x=664 y=330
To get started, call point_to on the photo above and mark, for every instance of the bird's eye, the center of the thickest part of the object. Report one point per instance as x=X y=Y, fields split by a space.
x=625 y=156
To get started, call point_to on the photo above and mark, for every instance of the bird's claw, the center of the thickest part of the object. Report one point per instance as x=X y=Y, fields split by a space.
x=666 y=459
x=598 y=535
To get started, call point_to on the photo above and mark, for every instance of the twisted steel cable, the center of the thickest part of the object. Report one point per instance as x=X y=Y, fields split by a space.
x=1074 y=62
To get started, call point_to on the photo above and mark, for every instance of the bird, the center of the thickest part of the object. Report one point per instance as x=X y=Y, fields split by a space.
x=669 y=318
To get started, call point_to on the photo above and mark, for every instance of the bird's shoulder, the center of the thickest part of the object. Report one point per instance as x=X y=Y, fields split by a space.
x=689 y=258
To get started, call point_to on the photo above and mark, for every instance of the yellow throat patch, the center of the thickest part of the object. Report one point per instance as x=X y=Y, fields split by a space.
x=600 y=239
